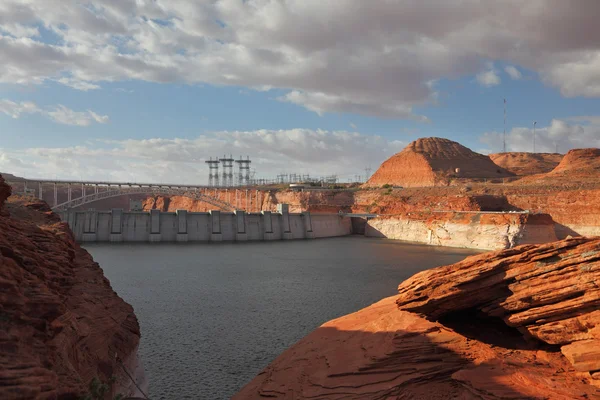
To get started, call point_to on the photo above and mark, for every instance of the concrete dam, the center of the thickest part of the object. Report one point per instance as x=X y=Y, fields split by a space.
x=215 y=226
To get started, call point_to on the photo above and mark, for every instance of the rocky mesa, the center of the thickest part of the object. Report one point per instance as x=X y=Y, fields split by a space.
x=523 y=164
x=61 y=324
x=435 y=162
x=514 y=324
x=578 y=166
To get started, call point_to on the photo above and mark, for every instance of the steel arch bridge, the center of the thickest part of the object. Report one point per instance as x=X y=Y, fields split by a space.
x=116 y=191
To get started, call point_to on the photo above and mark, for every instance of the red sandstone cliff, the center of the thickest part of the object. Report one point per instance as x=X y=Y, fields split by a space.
x=434 y=162
x=465 y=350
x=548 y=292
x=61 y=324
x=314 y=201
x=527 y=163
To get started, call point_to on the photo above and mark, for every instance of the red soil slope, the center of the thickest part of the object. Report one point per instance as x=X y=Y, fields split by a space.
x=61 y=324
x=434 y=162
x=527 y=163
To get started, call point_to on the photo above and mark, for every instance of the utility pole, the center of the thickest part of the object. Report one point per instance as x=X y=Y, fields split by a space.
x=534 y=122
x=504 y=136
x=367 y=173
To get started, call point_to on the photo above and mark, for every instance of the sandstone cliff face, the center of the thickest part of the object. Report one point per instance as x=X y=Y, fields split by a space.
x=433 y=162
x=314 y=201
x=548 y=292
x=61 y=324
x=527 y=163
x=466 y=230
x=384 y=352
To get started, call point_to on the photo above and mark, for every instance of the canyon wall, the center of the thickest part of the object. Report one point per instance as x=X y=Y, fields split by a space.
x=474 y=230
x=322 y=201
x=61 y=323
x=576 y=212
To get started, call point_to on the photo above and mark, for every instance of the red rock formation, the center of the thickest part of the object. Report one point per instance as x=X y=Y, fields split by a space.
x=315 y=201
x=548 y=292
x=61 y=324
x=582 y=161
x=578 y=166
x=434 y=162
x=381 y=352
x=527 y=163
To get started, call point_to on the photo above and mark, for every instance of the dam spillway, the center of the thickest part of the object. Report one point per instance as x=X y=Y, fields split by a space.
x=117 y=225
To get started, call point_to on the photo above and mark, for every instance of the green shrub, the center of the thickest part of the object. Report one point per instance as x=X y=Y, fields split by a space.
x=97 y=390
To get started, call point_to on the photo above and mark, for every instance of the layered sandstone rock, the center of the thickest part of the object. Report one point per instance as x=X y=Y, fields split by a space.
x=548 y=292
x=434 y=162
x=323 y=201
x=465 y=229
x=382 y=352
x=527 y=163
x=61 y=324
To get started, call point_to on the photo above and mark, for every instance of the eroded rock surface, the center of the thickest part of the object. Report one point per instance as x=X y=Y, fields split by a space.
x=549 y=292
x=61 y=324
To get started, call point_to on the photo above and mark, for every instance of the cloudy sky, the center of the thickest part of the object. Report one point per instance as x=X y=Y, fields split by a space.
x=147 y=90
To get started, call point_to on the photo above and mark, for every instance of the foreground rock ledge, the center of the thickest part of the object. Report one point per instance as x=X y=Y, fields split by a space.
x=61 y=324
x=459 y=340
x=549 y=292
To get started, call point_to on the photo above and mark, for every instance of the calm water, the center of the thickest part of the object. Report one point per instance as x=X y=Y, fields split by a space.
x=213 y=315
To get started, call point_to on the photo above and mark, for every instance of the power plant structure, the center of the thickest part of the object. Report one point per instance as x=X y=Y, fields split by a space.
x=245 y=175
x=226 y=177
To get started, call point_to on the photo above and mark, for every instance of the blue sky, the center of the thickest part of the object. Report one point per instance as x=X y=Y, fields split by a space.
x=126 y=90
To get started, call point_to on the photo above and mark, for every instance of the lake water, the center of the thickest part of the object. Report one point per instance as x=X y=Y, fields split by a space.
x=214 y=315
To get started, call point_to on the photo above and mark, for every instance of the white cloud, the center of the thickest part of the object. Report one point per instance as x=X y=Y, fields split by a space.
x=560 y=134
x=314 y=152
x=59 y=113
x=488 y=78
x=14 y=110
x=78 y=84
x=513 y=72
x=375 y=57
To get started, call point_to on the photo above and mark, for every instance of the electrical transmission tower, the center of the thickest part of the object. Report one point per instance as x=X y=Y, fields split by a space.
x=227 y=170
x=367 y=173
x=243 y=171
x=213 y=172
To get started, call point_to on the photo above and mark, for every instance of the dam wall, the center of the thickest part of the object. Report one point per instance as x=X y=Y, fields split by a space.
x=474 y=230
x=214 y=226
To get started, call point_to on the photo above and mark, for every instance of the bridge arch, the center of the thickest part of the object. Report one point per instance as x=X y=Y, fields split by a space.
x=124 y=191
